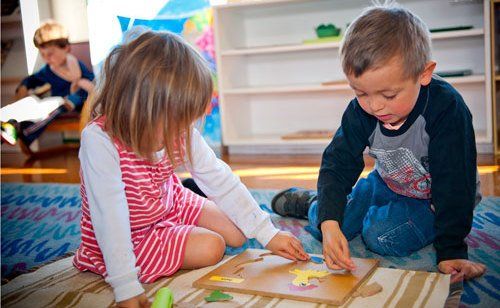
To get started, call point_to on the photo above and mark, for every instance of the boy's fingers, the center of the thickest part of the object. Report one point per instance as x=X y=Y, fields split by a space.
x=330 y=264
x=467 y=271
x=332 y=251
x=481 y=266
x=478 y=270
x=346 y=254
x=345 y=248
x=457 y=277
x=337 y=258
x=340 y=258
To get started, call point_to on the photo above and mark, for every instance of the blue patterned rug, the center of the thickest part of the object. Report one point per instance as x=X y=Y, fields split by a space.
x=40 y=222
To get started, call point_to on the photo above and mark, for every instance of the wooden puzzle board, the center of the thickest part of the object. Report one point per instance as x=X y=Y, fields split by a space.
x=271 y=277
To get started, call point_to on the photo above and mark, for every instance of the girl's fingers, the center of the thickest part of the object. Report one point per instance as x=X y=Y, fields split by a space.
x=285 y=254
x=300 y=250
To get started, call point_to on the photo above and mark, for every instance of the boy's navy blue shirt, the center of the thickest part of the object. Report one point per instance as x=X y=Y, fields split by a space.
x=431 y=156
x=59 y=86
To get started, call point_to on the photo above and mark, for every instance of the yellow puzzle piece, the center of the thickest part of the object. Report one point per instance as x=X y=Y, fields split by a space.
x=303 y=277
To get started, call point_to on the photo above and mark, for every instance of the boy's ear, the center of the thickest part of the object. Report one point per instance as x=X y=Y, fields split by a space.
x=426 y=76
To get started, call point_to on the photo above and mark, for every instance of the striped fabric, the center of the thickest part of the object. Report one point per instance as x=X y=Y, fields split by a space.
x=60 y=285
x=162 y=213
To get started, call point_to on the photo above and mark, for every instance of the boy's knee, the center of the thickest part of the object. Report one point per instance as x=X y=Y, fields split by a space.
x=399 y=241
x=372 y=240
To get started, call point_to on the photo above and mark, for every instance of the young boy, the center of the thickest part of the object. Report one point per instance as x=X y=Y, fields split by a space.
x=419 y=130
x=67 y=76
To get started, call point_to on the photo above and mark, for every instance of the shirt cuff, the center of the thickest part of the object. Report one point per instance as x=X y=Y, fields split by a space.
x=443 y=255
x=266 y=232
x=125 y=286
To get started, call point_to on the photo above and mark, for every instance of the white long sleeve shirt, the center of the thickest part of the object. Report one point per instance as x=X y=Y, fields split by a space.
x=100 y=165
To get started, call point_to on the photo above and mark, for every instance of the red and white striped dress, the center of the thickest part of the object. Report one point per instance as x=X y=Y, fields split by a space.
x=162 y=213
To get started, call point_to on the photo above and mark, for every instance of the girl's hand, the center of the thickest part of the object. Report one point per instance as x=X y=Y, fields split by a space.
x=288 y=246
x=139 y=301
x=336 y=247
x=461 y=269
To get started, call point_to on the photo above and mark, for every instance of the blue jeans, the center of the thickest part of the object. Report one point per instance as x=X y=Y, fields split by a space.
x=390 y=224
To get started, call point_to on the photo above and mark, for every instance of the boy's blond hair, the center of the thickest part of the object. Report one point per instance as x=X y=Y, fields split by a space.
x=381 y=33
x=51 y=33
x=153 y=89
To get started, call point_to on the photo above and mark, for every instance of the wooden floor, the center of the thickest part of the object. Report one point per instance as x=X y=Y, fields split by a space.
x=256 y=171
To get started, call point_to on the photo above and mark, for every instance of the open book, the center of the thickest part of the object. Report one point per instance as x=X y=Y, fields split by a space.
x=30 y=108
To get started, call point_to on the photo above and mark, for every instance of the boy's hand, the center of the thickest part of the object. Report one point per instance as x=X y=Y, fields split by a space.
x=21 y=92
x=335 y=247
x=85 y=84
x=288 y=246
x=461 y=269
x=139 y=301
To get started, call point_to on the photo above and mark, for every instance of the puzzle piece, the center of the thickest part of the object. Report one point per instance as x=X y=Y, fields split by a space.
x=368 y=290
x=218 y=296
x=164 y=298
x=317 y=260
x=303 y=277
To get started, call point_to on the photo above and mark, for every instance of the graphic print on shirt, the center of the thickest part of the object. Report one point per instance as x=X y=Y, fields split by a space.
x=403 y=172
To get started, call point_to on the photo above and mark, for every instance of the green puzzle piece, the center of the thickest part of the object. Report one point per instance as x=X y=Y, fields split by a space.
x=164 y=298
x=218 y=296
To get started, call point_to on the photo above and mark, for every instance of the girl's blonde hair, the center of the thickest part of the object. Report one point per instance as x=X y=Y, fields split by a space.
x=153 y=89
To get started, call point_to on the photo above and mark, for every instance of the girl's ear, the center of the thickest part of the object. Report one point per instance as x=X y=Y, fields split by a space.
x=426 y=76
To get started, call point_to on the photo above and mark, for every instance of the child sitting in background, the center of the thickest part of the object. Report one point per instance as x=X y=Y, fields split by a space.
x=419 y=130
x=68 y=78
x=139 y=223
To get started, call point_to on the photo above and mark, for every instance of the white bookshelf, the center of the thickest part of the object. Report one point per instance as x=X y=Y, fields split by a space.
x=333 y=45
x=271 y=82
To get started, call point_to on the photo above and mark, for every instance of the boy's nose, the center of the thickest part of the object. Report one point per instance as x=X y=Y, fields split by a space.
x=376 y=105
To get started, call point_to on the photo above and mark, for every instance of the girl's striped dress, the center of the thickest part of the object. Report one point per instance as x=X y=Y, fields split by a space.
x=162 y=213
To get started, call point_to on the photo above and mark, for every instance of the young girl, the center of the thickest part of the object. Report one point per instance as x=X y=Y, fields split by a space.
x=139 y=223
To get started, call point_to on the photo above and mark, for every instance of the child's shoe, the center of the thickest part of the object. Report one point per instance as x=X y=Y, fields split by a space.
x=293 y=202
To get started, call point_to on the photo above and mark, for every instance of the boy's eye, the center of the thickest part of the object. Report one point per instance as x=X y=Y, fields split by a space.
x=389 y=97
x=360 y=94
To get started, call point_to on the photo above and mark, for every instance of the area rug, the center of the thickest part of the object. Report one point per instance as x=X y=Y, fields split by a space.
x=60 y=285
x=40 y=223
